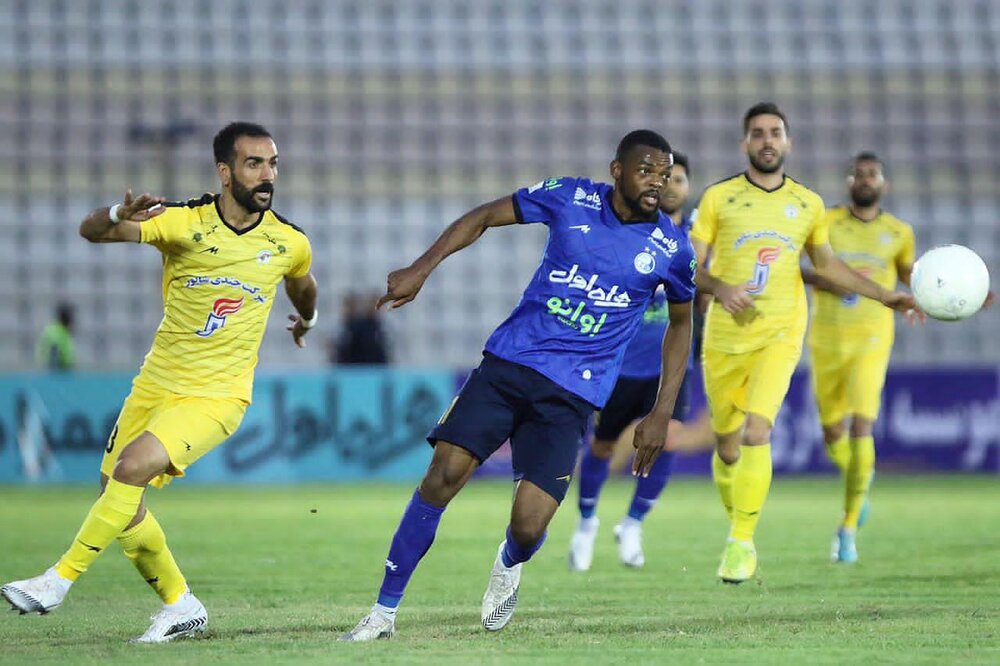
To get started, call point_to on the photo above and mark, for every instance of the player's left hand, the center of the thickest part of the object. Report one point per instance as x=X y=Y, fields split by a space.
x=298 y=330
x=650 y=436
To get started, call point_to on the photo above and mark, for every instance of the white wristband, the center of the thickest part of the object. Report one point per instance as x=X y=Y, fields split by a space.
x=309 y=323
x=113 y=213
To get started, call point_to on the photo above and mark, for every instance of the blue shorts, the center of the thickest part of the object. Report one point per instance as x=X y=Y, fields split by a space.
x=543 y=421
x=631 y=399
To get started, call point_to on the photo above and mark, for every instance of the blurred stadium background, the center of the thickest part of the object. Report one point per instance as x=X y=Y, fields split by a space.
x=392 y=118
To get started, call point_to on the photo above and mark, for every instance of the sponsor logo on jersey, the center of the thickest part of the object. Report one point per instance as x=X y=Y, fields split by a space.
x=762 y=270
x=666 y=245
x=850 y=300
x=591 y=200
x=222 y=308
x=611 y=298
x=221 y=281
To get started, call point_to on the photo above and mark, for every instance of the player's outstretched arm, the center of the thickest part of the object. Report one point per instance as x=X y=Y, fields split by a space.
x=302 y=293
x=811 y=277
x=99 y=227
x=651 y=432
x=403 y=285
x=733 y=298
x=832 y=268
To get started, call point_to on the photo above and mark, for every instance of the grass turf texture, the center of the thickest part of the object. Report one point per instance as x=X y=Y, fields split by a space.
x=281 y=582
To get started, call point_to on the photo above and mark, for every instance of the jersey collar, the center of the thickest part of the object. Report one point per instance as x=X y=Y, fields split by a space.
x=784 y=178
x=238 y=232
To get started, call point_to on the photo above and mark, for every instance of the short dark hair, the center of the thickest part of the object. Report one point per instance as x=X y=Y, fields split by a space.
x=762 y=109
x=643 y=137
x=867 y=156
x=681 y=159
x=224 y=143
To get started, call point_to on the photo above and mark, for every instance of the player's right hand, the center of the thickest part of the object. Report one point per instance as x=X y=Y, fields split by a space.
x=402 y=286
x=140 y=208
x=733 y=298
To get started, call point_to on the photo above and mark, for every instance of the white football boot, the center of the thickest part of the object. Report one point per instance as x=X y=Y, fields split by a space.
x=41 y=594
x=372 y=627
x=181 y=619
x=581 y=546
x=628 y=534
x=500 y=599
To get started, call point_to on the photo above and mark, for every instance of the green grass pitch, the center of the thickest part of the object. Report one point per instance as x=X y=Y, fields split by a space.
x=281 y=582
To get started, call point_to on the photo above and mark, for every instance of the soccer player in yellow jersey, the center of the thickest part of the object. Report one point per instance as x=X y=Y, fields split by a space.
x=850 y=339
x=756 y=225
x=223 y=257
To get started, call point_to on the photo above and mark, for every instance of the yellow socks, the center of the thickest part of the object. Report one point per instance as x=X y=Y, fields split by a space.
x=111 y=513
x=723 y=475
x=750 y=486
x=858 y=477
x=839 y=453
x=146 y=545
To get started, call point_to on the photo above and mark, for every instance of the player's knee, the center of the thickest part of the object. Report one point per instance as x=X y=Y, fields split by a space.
x=441 y=483
x=133 y=470
x=526 y=531
x=861 y=427
x=831 y=433
x=602 y=448
x=757 y=432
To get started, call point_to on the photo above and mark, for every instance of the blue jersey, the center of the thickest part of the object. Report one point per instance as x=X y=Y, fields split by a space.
x=589 y=293
x=644 y=355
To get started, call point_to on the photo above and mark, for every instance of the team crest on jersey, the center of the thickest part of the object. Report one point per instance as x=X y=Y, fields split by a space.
x=791 y=211
x=644 y=262
x=217 y=317
x=264 y=256
x=762 y=270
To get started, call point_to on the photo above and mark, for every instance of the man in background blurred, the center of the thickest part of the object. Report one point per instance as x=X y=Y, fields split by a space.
x=632 y=398
x=362 y=339
x=223 y=258
x=850 y=338
x=756 y=225
x=55 y=349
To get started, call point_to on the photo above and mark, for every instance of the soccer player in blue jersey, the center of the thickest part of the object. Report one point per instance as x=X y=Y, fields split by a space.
x=552 y=362
x=632 y=398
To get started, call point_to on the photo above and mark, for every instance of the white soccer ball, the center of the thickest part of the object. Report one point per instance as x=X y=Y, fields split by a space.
x=950 y=282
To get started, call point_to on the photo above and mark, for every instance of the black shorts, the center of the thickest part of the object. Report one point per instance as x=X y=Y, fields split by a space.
x=543 y=421
x=632 y=399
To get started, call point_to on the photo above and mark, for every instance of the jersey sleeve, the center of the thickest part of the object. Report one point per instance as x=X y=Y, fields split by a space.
x=820 y=233
x=302 y=259
x=679 y=285
x=908 y=249
x=705 y=223
x=165 y=229
x=542 y=201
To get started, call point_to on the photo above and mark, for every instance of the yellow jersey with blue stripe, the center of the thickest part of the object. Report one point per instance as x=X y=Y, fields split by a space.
x=757 y=237
x=877 y=249
x=218 y=287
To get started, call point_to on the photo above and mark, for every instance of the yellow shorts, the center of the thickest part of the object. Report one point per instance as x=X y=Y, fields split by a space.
x=753 y=382
x=847 y=378
x=187 y=426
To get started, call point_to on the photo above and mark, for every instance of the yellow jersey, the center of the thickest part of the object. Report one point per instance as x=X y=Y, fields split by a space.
x=757 y=237
x=218 y=287
x=876 y=249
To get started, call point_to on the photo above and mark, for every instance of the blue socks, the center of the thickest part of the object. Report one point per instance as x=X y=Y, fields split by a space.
x=513 y=553
x=648 y=489
x=411 y=542
x=593 y=474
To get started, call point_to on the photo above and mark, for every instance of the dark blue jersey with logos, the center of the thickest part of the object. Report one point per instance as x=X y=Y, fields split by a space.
x=597 y=276
x=644 y=354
